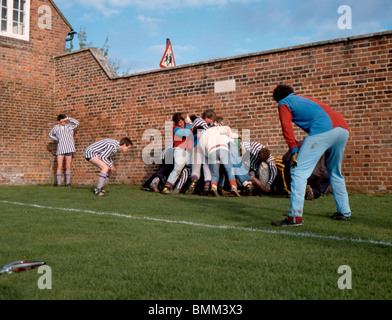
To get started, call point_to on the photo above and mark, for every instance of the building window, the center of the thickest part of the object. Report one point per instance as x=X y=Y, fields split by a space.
x=15 y=18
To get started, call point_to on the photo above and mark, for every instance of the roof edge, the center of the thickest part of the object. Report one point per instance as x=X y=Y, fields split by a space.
x=112 y=75
x=99 y=57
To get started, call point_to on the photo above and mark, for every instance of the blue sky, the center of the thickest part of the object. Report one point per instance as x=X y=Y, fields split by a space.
x=202 y=30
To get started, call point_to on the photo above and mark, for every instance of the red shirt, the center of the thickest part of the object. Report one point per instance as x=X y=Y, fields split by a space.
x=182 y=137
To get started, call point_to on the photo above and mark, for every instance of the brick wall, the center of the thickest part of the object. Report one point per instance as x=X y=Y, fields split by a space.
x=352 y=75
x=26 y=100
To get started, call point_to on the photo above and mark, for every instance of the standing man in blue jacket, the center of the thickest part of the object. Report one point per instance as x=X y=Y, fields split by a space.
x=327 y=132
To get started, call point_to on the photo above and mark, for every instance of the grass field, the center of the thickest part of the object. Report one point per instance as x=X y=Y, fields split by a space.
x=138 y=245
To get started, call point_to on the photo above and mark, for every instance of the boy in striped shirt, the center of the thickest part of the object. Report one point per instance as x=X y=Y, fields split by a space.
x=100 y=154
x=257 y=155
x=63 y=133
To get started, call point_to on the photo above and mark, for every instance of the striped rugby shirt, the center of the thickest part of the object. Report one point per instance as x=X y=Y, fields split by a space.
x=280 y=165
x=253 y=148
x=199 y=122
x=103 y=149
x=64 y=135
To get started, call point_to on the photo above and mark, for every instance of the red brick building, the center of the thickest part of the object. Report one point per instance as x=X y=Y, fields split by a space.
x=39 y=81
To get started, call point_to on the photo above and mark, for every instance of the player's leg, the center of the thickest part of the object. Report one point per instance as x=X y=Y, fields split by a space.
x=103 y=175
x=215 y=174
x=207 y=177
x=183 y=179
x=59 y=173
x=197 y=157
x=334 y=159
x=164 y=171
x=68 y=162
x=224 y=158
x=311 y=151
x=180 y=160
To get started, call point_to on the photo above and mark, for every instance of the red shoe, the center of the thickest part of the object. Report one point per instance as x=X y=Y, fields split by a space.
x=288 y=222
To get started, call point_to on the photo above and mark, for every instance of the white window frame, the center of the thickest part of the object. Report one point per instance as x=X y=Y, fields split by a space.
x=9 y=32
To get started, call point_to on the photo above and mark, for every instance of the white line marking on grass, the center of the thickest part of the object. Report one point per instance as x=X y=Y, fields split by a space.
x=197 y=224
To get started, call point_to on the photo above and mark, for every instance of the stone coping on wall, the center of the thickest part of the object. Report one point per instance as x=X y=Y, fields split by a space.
x=113 y=76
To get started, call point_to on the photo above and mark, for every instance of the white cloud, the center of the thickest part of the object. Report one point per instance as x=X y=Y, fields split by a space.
x=241 y=51
x=158 y=48
x=145 y=19
x=101 y=6
x=151 y=26
x=186 y=48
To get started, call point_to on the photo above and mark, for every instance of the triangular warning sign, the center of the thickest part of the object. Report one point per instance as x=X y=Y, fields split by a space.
x=168 y=57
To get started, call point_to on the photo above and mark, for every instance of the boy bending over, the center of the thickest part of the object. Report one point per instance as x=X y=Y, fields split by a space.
x=100 y=154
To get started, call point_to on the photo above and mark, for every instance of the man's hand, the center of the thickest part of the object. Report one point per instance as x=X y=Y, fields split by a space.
x=112 y=169
x=293 y=161
x=267 y=188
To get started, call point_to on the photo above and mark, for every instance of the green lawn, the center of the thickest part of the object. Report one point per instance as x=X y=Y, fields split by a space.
x=139 y=245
